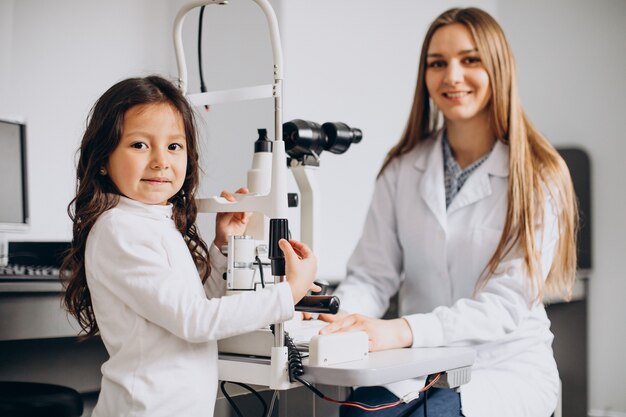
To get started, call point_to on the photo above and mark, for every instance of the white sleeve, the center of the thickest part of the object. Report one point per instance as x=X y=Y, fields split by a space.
x=135 y=268
x=498 y=308
x=375 y=267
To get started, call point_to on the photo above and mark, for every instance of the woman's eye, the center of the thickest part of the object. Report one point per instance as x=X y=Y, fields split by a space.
x=175 y=147
x=472 y=60
x=139 y=145
x=436 y=64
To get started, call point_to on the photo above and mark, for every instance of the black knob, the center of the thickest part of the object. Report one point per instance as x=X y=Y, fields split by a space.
x=279 y=229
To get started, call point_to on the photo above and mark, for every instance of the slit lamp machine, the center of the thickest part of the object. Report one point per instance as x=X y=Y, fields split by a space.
x=297 y=146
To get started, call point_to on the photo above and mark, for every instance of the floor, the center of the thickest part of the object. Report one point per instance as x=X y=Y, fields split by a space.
x=299 y=401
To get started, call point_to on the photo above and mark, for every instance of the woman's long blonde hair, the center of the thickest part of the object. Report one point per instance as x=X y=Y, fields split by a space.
x=533 y=161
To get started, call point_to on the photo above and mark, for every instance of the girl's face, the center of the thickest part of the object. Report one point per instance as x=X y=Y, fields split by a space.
x=456 y=79
x=150 y=162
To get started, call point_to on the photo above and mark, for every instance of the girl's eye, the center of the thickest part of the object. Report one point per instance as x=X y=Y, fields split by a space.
x=175 y=147
x=436 y=64
x=139 y=145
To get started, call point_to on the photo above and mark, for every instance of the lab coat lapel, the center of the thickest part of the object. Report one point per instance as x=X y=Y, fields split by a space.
x=431 y=185
x=478 y=185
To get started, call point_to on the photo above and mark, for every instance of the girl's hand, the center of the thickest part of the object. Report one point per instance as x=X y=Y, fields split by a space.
x=227 y=224
x=382 y=334
x=300 y=267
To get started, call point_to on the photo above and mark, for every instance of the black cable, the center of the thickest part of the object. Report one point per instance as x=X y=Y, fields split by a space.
x=202 y=86
x=230 y=400
x=274 y=396
x=410 y=409
x=309 y=386
x=294 y=361
x=260 y=264
x=249 y=388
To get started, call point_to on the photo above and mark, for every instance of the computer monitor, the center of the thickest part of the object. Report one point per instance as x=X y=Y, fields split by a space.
x=13 y=181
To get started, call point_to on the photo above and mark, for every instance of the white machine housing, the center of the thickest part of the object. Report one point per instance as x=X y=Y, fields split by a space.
x=266 y=180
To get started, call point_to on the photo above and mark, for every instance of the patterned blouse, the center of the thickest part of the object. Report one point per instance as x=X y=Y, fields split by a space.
x=454 y=177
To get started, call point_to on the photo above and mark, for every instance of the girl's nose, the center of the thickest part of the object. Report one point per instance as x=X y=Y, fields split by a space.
x=159 y=160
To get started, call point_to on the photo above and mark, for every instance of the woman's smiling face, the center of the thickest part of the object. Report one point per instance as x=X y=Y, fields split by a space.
x=456 y=79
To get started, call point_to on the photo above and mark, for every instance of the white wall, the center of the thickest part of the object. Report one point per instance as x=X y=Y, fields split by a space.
x=6 y=46
x=353 y=61
x=572 y=65
x=57 y=59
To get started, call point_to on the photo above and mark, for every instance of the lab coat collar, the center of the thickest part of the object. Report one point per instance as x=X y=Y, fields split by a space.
x=478 y=185
x=431 y=186
x=154 y=211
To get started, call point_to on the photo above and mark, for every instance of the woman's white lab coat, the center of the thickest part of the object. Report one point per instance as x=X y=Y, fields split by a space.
x=434 y=258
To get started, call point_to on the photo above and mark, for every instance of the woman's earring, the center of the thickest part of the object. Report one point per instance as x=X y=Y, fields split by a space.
x=103 y=171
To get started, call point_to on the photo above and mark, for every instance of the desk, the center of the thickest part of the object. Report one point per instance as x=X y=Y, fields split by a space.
x=391 y=365
x=378 y=369
x=37 y=339
x=32 y=310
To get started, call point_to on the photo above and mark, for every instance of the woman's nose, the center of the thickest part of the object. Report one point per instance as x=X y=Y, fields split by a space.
x=454 y=73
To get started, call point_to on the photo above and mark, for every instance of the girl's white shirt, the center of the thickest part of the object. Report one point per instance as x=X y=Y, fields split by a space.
x=159 y=324
x=434 y=257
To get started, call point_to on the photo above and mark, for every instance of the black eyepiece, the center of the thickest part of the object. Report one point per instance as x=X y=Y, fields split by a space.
x=304 y=138
x=340 y=136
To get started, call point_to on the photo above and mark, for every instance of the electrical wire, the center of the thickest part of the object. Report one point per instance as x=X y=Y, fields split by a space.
x=356 y=404
x=269 y=412
x=367 y=407
x=360 y=405
x=202 y=86
x=232 y=402
x=260 y=264
x=296 y=370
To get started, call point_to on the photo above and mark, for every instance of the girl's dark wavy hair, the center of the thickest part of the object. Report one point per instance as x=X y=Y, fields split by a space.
x=96 y=193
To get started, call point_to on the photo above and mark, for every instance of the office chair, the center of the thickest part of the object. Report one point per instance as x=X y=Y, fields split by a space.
x=29 y=399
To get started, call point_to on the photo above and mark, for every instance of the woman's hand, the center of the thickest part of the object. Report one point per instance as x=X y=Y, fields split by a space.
x=328 y=318
x=300 y=267
x=382 y=334
x=227 y=224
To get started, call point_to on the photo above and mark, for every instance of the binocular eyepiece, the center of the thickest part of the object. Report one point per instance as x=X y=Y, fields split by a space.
x=303 y=138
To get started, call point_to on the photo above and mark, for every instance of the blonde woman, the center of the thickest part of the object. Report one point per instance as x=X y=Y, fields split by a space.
x=473 y=221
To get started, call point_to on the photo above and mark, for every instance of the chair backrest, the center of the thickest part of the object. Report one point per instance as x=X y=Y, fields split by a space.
x=579 y=165
x=31 y=399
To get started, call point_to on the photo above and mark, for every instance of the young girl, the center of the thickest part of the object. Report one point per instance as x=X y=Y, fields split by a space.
x=137 y=264
x=473 y=219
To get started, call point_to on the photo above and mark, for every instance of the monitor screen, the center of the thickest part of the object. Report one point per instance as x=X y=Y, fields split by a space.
x=13 y=190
